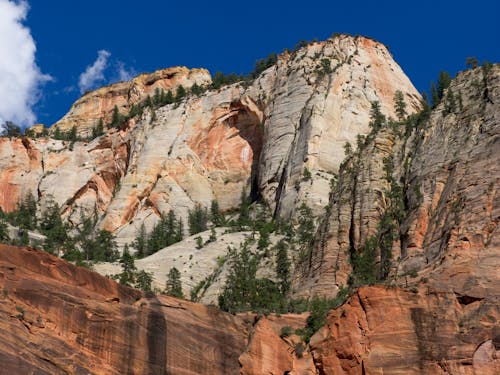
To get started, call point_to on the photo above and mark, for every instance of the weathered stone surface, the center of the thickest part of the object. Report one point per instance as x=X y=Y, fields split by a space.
x=99 y=104
x=296 y=115
x=448 y=170
x=384 y=330
x=452 y=231
x=268 y=353
x=60 y=319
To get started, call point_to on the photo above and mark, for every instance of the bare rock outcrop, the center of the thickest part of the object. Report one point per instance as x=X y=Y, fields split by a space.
x=291 y=121
x=393 y=331
x=99 y=104
x=444 y=174
x=60 y=319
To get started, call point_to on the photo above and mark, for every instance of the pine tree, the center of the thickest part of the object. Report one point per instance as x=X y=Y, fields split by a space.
x=239 y=290
x=400 y=105
x=143 y=280
x=198 y=219
x=180 y=93
x=244 y=217
x=25 y=215
x=4 y=233
x=179 y=232
x=434 y=95
x=471 y=62
x=377 y=119
x=10 y=130
x=305 y=230
x=72 y=135
x=169 y=97
x=444 y=80
x=128 y=274
x=105 y=248
x=196 y=89
x=98 y=130
x=58 y=134
x=85 y=232
x=140 y=243
x=115 y=120
x=216 y=216
x=157 y=97
x=174 y=286
x=283 y=266
x=54 y=229
x=450 y=101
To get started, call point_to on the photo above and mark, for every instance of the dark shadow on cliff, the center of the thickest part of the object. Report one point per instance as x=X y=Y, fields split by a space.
x=156 y=337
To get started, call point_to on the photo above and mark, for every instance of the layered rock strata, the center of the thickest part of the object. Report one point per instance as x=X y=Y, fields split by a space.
x=265 y=137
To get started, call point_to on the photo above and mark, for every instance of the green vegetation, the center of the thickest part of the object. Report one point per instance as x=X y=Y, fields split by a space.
x=4 y=233
x=216 y=216
x=10 y=130
x=130 y=276
x=400 y=105
x=166 y=232
x=56 y=232
x=198 y=219
x=283 y=267
x=437 y=91
x=174 y=286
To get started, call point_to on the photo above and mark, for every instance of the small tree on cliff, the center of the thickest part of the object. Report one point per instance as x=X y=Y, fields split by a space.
x=4 y=233
x=140 y=243
x=400 y=105
x=174 y=286
x=198 y=219
x=180 y=93
x=128 y=274
x=283 y=266
x=377 y=119
x=116 y=119
x=143 y=280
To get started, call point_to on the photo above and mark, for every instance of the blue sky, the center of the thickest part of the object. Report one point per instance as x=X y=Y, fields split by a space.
x=137 y=36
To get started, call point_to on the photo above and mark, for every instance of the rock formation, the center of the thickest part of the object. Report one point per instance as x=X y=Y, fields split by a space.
x=99 y=104
x=393 y=331
x=60 y=319
x=419 y=196
x=447 y=170
x=296 y=115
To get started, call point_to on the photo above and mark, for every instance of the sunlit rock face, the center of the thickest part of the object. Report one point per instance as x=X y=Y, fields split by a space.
x=293 y=120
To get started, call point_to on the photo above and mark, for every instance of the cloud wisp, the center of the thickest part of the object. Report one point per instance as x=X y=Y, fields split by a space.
x=94 y=74
x=20 y=77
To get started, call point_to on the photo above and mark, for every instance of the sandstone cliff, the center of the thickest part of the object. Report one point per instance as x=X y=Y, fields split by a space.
x=60 y=319
x=99 y=104
x=296 y=115
x=444 y=174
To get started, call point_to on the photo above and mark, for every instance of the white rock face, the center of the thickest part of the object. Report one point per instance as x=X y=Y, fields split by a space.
x=260 y=138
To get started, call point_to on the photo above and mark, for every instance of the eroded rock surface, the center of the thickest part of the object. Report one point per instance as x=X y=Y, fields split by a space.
x=292 y=120
x=393 y=331
x=60 y=319
x=448 y=174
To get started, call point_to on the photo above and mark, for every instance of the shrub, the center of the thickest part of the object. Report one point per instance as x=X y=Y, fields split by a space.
x=286 y=331
x=174 y=286
x=198 y=219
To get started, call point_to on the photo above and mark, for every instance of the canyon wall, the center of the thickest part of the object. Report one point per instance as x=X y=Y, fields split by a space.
x=263 y=137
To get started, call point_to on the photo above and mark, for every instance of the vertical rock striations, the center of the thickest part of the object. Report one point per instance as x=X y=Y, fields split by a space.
x=265 y=136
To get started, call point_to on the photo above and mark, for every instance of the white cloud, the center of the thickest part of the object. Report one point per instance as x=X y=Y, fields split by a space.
x=124 y=74
x=94 y=74
x=20 y=77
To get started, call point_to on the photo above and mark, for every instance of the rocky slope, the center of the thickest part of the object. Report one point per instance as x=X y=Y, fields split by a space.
x=296 y=115
x=445 y=173
x=99 y=104
x=60 y=319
